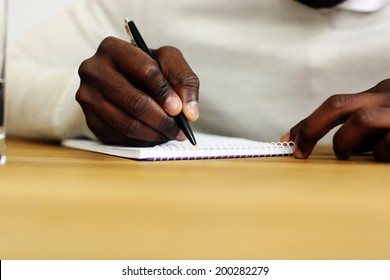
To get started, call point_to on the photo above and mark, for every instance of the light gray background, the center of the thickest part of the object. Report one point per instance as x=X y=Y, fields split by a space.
x=25 y=15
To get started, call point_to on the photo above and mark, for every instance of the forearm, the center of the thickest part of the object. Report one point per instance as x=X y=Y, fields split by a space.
x=41 y=103
x=42 y=74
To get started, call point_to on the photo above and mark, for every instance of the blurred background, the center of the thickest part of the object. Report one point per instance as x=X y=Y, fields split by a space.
x=25 y=15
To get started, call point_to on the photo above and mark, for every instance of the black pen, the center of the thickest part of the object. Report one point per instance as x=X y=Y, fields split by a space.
x=136 y=40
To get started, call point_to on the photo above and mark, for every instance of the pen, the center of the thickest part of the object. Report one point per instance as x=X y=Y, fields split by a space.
x=137 y=41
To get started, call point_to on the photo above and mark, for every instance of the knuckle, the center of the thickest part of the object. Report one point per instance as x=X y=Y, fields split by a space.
x=132 y=128
x=138 y=104
x=169 y=52
x=338 y=102
x=82 y=96
x=92 y=69
x=161 y=91
x=158 y=85
x=186 y=78
x=364 y=117
x=107 y=45
x=170 y=49
x=85 y=68
x=385 y=84
x=151 y=71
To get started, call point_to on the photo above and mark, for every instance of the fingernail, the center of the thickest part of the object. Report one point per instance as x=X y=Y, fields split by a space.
x=192 y=108
x=172 y=105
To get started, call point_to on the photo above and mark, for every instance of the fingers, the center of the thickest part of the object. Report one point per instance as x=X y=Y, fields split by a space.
x=334 y=111
x=363 y=129
x=182 y=79
x=147 y=74
x=382 y=86
x=117 y=90
x=142 y=70
x=109 y=135
x=381 y=150
x=125 y=94
x=103 y=118
x=290 y=135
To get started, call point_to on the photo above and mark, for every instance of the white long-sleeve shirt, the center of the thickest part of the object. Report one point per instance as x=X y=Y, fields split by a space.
x=263 y=65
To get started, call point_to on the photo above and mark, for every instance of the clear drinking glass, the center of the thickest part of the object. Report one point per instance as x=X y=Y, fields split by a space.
x=3 y=43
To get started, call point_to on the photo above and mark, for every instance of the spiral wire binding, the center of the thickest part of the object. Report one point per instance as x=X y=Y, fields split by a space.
x=236 y=149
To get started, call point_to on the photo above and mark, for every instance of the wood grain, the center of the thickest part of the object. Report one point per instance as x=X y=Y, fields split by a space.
x=59 y=203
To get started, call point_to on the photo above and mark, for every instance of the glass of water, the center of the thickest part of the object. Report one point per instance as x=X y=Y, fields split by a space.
x=3 y=43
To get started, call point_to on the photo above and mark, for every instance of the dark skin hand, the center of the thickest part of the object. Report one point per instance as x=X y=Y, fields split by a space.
x=364 y=119
x=129 y=99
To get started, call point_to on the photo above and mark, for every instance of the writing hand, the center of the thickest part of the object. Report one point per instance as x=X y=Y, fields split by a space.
x=129 y=99
x=364 y=119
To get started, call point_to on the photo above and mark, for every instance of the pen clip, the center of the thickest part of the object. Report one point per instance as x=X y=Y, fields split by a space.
x=128 y=31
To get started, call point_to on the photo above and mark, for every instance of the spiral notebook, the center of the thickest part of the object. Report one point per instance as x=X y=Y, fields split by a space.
x=209 y=147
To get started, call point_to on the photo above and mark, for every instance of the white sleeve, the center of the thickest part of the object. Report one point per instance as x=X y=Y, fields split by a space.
x=42 y=76
x=41 y=102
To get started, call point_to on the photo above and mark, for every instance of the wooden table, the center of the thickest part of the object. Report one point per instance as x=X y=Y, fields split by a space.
x=59 y=203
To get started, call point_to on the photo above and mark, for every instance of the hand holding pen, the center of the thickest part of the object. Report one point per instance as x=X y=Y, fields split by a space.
x=129 y=98
x=137 y=41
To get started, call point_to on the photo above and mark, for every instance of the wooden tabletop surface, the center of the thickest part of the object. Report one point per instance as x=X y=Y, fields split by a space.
x=59 y=203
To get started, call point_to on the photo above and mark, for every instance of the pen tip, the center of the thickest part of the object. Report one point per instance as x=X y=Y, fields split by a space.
x=193 y=142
